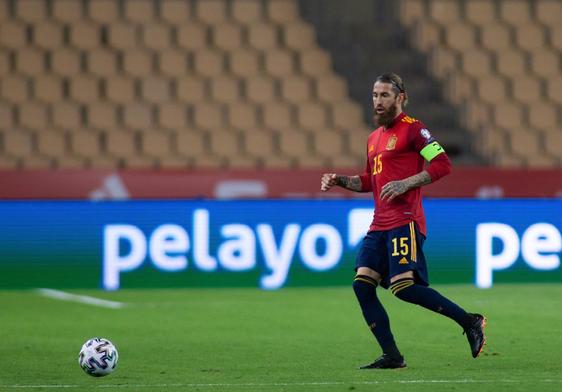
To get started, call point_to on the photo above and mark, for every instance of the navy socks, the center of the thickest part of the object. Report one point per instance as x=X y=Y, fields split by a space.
x=374 y=313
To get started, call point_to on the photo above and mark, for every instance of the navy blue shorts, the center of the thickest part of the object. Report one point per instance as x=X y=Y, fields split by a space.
x=393 y=252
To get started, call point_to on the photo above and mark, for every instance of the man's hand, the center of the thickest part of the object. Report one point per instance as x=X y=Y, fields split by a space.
x=392 y=189
x=328 y=181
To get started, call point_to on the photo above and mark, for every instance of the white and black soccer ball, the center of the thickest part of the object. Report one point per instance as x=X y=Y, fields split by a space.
x=98 y=357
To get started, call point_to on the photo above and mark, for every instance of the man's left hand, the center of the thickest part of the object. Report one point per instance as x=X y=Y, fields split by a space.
x=392 y=189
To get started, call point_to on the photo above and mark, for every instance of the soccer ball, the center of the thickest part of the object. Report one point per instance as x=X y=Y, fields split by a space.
x=98 y=357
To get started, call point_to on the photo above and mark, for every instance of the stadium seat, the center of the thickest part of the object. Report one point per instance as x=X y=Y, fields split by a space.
x=52 y=144
x=102 y=116
x=244 y=63
x=263 y=36
x=84 y=35
x=102 y=62
x=555 y=33
x=225 y=142
x=357 y=142
x=65 y=62
x=85 y=143
x=191 y=89
x=527 y=89
x=495 y=36
x=138 y=63
x=121 y=35
x=515 y=12
x=138 y=115
x=172 y=116
x=15 y=89
x=315 y=62
x=411 y=11
x=190 y=143
x=84 y=89
x=138 y=11
x=155 y=89
x=553 y=143
x=511 y=63
x=508 y=115
x=33 y=115
x=296 y=89
x=7 y=116
x=460 y=36
x=443 y=61
x=444 y=11
x=311 y=115
x=549 y=12
x=299 y=36
x=155 y=144
x=328 y=142
x=282 y=11
x=476 y=63
x=67 y=115
x=67 y=11
x=242 y=116
x=209 y=63
x=543 y=116
x=545 y=63
x=294 y=143
x=524 y=142
x=492 y=89
x=48 y=88
x=18 y=143
x=119 y=90
x=331 y=88
x=175 y=12
x=259 y=143
x=31 y=11
x=121 y=144
x=30 y=61
x=47 y=35
x=346 y=114
x=156 y=36
x=172 y=63
x=247 y=11
x=225 y=89
x=192 y=36
x=553 y=88
x=480 y=12
x=103 y=11
x=530 y=36
x=211 y=11
x=208 y=116
x=277 y=116
x=12 y=34
x=227 y=36
x=260 y=89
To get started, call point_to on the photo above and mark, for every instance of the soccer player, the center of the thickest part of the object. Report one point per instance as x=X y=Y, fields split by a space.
x=391 y=254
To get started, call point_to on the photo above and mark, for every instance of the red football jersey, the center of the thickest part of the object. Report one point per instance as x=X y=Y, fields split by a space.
x=394 y=154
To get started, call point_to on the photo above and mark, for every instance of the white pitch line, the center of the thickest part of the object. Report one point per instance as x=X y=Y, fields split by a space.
x=83 y=299
x=282 y=384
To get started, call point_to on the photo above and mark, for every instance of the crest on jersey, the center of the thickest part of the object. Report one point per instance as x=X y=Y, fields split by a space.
x=391 y=142
x=425 y=133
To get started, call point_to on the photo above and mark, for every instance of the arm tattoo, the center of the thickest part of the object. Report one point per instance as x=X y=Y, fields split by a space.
x=420 y=179
x=353 y=183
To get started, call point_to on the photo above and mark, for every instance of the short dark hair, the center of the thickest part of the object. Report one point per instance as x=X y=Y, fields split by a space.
x=397 y=84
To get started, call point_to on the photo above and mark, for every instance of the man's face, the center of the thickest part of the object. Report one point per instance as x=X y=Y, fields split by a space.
x=385 y=103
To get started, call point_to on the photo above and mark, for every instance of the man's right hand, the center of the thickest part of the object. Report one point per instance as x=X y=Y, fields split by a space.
x=328 y=181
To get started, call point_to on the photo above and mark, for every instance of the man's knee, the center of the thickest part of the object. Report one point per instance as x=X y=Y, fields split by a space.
x=400 y=289
x=364 y=285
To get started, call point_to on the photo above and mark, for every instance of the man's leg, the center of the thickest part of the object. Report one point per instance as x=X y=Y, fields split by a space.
x=404 y=287
x=364 y=286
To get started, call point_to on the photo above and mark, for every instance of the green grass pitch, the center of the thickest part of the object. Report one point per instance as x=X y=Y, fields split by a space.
x=298 y=339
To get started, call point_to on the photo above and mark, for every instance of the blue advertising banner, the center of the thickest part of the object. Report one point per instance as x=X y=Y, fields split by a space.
x=269 y=244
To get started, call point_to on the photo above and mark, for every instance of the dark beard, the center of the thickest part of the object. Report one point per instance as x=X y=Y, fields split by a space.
x=385 y=119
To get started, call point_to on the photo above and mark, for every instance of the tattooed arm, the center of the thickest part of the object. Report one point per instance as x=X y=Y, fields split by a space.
x=353 y=183
x=395 y=188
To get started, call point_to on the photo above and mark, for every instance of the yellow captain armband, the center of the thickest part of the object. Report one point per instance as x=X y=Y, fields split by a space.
x=431 y=151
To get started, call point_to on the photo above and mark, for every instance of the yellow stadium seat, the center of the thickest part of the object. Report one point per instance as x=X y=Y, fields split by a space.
x=299 y=36
x=12 y=34
x=67 y=115
x=137 y=115
x=47 y=35
x=67 y=11
x=227 y=36
x=225 y=89
x=511 y=63
x=30 y=61
x=259 y=143
x=18 y=143
x=530 y=36
x=476 y=63
x=103 y=11
x=121 y=144
x=191 y=89
x=331 y=88
x=524 y=142
x=296 y=89
x=190 y=143
x=172 y=63
x=192 y=36
x=247 y=11
x=121 y=35
x=156 y=36
x=515 y=12
x=263 y=36
x=139 y=11
x=294 y=143
x=315 y=62
x=211 y=11
x=277 y=116
x=65 y=62
x=556 y=37
x=119 y=89
x=545 y=63
x=225 y=142
x=508 y=115
x=84 y=89
x=15 y=89
x=209 y=63
x=346 y=114
x=460 y=36
x=543 y=116
x=102 y=116
x=443 y=61
x=242 y=116
x=553 y=143
x=527 y=89
x=283 y=11
x=85 y=143
x=84 y=35
x=102 y=62
x=33 y=115
x=444 y=11
x=244 y=62
x=312 y=115
x=492 y=89
x=328 y=142
x=260 y=89
x=480 y=12
x=137 y=63
x=175 y=12
x=48 y=88
x=51 y=143
x=549 y=12
x=172 y=115
x=7 y=116
x=553 y=88
x=411 y=11
x=496 y=36
x=208 y=116
x=156 y=89
x=156 y=144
